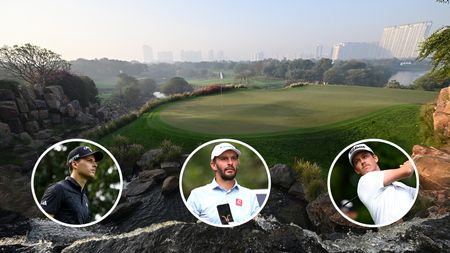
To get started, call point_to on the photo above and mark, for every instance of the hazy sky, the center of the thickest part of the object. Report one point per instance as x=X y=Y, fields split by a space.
x=118 y=29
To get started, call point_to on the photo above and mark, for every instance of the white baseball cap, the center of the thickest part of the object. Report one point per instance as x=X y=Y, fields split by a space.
x=222 y=147
x=356 y=149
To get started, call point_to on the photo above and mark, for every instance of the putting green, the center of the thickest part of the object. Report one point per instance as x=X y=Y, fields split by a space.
x=268 y=111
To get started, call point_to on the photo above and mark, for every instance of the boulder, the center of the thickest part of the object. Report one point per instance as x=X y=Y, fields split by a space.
x=171 y=168
x=55 y=118
x=15 y=125
x=23 y=117
x=326 y=219
x=169 y=185
x=441 y=115
x=282 y=175
x=137 y=187
x=86 y=119
x=22 y=105
x=40 y=104
x=27 y=92
x=52 y=102
x=8 y=110
x=32 y=127
x=149 y=159
x=33 y=115
x=13 y=224
x=6 y=95
x=433 y=166
x=43 y=114
x=5 y=135
x=158 y=175
x=296 y=191
x=56 y=91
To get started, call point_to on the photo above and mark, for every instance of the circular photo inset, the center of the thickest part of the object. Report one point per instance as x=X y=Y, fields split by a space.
x=373 y=182
x=225 y=183
x=76 y=183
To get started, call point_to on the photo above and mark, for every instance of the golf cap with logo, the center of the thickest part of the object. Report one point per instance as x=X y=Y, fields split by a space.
x=83 y=151
x=356 y=149
x=222 y=147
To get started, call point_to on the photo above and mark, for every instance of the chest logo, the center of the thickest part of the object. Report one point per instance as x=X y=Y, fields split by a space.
x=239 y=202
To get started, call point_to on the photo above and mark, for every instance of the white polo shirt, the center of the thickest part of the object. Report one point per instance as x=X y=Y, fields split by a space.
x=203 y=201
x=386 y=204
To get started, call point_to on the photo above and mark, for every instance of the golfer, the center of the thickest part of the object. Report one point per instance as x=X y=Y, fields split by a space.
x=386 y=199
x=224 y=201
x=66 y=200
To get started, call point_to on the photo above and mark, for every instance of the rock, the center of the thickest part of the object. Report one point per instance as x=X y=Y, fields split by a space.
x=85 y=119
x=170 y=184
x=149 y=159
x=52 y=102
x=22 y=105
x=25 y=137
x=285 y=208
x=282 y=175
x=8 y=110
x=55 y=118
x=40 y=104
x=158 y=175
x=5 y=135
x=56 y=91
x=43 y=114
x=46 y=123
x=43 y=134
x=137 y=187
x=12 y=223
x=433 y=166
x=174 y=236
x=296 y=191
x=326 y=219
x=23 y=117
x=441 y=116
x=33 y=115
x=32 y=127
x=171 y=168
x=71 y=112
x=15 y=125
x=122 y=211
x=6 y=95
x=27 y=92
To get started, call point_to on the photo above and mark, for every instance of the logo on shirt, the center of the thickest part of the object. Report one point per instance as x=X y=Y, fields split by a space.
x=239 y=202
x=44 y=203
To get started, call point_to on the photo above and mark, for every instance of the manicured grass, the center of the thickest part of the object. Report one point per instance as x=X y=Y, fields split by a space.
x=254 y=82
x=363 y=113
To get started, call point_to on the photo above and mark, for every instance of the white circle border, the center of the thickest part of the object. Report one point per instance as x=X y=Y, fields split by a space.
x=216 y=141
x=76 y=225
x=365 y=141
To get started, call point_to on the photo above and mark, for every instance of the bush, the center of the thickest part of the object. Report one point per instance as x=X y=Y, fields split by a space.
x=170 y=152
x=427 y=135
x=126 y=153
x=176 y=85
x=309 y=174
x=81 y=88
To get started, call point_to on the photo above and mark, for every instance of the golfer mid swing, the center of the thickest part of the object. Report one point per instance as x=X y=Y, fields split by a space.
x=386 y=199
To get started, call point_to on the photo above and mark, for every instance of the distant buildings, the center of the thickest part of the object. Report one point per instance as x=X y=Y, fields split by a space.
x=319 y=51
x=257 y=56
x=400 y=41
x=165 y=56
x=191 y=56
x=403 y=41
x=147 y=53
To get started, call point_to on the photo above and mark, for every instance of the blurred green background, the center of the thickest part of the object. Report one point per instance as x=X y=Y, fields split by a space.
x=344 y=180
x=251 y=172
x=102 y=192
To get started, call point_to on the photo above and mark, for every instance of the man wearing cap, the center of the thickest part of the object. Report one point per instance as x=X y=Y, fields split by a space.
x=224 y=201
x=386 y=199
x=66 y=200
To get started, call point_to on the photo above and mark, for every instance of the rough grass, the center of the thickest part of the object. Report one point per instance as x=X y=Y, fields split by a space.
x=395 y=117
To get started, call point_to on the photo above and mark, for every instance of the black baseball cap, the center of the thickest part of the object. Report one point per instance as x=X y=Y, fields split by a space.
x=83 y=151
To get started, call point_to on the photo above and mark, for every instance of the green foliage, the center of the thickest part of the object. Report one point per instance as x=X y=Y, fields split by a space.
x=430 y=82
x=427 y=134
x=147 y=87
x=170 y=152
x=357 y=73
x=438 y=46
x=309 y=174
x=81 y=88
x=176 y=85
x=393 y=84
x=125 y=152
x=102 y=191
x=31 y=63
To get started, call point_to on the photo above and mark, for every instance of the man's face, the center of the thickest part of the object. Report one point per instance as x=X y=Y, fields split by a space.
x=226 y=165
x=86 y=167
x=365 y=162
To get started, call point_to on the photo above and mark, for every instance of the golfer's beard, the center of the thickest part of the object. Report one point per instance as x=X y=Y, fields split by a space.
x=225 y=176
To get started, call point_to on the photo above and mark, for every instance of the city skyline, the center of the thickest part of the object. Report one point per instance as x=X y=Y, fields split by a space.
x=234 y=29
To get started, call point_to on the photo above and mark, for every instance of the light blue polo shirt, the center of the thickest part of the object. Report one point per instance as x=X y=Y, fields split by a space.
x=204 y=200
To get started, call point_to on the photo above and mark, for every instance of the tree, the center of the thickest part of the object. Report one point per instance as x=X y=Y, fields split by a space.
x=430 y=81
x=438 y=45
x=147 y=86
x=394 y=84
x=176 y=85
x=31 y=63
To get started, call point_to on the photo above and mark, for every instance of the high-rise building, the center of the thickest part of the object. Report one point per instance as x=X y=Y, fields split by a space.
x=165 y=56
x=403 y=41
x=319 y=50
x=211 y=55
x=257 y=56
x=148 y=53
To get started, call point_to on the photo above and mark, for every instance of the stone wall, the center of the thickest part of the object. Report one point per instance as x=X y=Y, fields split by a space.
x=441 y=116
x=31 y=110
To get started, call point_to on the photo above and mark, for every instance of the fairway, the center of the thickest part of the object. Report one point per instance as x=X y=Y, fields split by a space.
x=267 y=111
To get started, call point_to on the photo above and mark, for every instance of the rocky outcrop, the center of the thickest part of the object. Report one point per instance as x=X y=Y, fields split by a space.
x=433 y=166
x=441 y=116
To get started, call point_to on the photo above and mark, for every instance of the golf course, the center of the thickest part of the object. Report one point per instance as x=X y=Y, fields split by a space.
x=312 y=122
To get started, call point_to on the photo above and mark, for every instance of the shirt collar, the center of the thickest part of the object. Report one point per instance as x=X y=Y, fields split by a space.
x=214 y=185
x=74 y=183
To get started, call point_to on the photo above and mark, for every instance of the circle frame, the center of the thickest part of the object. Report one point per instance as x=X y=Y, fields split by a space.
x=339 y=156
x=67 y=141
x=180 y=183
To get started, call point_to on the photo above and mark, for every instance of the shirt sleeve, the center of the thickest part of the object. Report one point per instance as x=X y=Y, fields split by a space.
x=51 y=201
x=369 y=185
x=193 y=203
x=255 y=205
